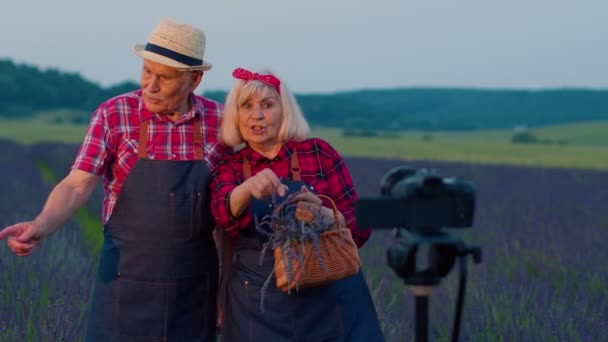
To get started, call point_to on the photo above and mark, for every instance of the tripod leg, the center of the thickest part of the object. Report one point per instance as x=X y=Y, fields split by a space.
x=422 y=318
x=460 y=299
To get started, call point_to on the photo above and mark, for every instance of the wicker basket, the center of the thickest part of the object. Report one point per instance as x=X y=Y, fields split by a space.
x=340 y=259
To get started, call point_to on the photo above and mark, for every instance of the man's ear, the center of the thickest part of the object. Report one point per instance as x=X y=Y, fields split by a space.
x=197 y=77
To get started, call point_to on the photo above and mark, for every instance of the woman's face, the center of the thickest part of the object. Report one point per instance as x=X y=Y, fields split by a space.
x=260 y=118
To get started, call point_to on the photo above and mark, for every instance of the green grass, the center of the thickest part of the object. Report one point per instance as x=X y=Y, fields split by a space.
x=473 y=151
x=581 y=133
x=587 y=144
x=584 y=133
x=34 y=131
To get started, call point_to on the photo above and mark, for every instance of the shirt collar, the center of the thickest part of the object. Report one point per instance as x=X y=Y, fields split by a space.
x=284 y=153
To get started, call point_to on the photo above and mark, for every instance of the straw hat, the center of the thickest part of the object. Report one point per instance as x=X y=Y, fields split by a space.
x=177 y=45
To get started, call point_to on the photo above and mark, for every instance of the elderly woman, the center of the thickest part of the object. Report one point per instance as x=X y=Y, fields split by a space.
x=261 y=113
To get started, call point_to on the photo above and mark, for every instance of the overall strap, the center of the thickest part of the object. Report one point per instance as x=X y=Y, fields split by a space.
x=295 y=166
x=143 y=138
x=198 y=139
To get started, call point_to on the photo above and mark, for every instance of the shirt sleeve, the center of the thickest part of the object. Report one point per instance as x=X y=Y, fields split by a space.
x=93 y=154
x=342 y=191
x=224 y=179
x=214 y=149
x=215 y=152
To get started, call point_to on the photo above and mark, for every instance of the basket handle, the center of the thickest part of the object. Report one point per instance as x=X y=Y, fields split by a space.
x=334 y=208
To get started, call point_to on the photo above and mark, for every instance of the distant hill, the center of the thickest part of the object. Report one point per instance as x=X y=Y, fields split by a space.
x=485 y=109
x=441 y=109
x=27 y=90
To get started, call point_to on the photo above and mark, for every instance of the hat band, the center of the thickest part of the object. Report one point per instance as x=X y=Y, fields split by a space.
x=189 y=61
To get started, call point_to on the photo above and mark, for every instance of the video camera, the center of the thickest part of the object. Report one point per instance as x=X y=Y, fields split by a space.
x=419 y=200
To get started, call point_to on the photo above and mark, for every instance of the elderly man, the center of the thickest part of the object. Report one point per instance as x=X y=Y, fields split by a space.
x=154 y=147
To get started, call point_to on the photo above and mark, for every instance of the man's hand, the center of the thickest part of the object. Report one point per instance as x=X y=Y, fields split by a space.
x=22 y=237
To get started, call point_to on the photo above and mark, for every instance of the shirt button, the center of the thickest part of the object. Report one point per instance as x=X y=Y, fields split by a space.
x=174 y=155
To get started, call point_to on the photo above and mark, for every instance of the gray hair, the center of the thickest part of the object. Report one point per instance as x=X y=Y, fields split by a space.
x=293 y=124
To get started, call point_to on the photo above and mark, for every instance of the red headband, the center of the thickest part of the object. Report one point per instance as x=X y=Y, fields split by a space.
x=247 y=76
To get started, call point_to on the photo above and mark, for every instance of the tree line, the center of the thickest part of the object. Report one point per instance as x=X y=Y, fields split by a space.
x=27 y=89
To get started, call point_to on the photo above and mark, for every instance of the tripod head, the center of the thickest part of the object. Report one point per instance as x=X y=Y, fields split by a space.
x=439 y=251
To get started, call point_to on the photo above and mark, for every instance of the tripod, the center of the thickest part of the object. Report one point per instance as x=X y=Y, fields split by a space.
x=443 y=250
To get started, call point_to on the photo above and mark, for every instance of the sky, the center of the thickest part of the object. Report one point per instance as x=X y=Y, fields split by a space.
x=323 y=46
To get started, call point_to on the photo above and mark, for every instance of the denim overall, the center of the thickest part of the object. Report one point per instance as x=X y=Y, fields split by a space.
x=339 y=311
x=158 y=271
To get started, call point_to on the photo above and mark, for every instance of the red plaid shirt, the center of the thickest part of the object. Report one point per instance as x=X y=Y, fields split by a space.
x=321 y=167
x=111 y=143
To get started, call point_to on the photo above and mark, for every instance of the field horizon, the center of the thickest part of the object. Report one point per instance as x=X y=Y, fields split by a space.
x=582 y=145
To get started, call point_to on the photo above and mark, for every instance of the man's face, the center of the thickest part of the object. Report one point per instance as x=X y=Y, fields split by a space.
x=166 y=89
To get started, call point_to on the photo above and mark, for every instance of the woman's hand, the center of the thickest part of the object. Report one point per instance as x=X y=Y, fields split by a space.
x=306 y=200
x=265 y=183
x=308 y=203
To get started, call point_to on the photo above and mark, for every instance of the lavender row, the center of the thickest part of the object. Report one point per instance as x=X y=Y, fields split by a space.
x=44 y=297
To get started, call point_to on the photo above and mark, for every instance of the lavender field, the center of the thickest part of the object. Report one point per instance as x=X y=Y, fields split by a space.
x=543 y=277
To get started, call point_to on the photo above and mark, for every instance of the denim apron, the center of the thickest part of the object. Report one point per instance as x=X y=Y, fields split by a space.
x=158 y=269
x=339 y=311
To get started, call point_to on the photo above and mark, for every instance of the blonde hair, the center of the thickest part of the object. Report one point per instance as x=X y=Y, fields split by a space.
x=293 y=124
